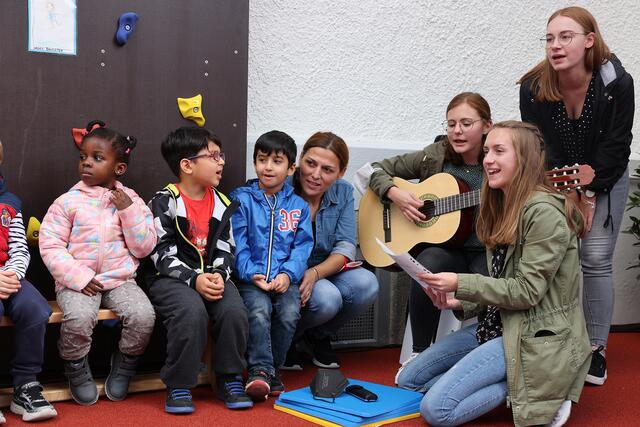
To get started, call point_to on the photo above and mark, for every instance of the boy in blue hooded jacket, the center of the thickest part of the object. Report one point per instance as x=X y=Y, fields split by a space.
x=274 y=239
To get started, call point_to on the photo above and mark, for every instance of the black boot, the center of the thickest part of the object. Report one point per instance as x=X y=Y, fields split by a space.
x=123 y=368
x=83 y=387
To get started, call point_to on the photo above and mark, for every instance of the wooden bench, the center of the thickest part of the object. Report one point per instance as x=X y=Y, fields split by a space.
x=60 y=391
x=56 y=316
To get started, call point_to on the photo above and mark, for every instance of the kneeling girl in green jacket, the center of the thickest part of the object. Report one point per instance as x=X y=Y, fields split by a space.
x=530 y=346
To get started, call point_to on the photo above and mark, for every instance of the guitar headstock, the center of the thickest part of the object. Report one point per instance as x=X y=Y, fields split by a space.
x=570 y=177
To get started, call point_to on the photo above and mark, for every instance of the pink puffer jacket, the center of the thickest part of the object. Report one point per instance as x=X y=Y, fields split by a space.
x=84 y=236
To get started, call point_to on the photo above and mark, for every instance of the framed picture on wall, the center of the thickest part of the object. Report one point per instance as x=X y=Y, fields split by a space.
x=53 y=26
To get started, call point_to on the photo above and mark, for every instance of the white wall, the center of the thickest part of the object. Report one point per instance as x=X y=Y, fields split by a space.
x=380 y=73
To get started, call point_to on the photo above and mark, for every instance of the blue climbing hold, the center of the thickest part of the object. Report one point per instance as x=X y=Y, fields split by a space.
x=126 y=26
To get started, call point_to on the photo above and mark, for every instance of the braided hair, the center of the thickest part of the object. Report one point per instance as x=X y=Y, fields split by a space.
x=123 y=145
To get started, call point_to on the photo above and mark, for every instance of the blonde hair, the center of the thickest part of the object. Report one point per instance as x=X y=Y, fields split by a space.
x=544 y=79
x=500 y=211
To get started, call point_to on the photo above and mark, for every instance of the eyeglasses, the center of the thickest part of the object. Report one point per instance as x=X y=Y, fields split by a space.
x=217 y=156
x=465 y=125
x=564 y=38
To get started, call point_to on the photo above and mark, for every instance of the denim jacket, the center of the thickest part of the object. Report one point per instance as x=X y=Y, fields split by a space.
x=335 y=223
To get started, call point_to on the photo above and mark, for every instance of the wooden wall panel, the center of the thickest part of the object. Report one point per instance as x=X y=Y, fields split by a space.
x=43 y=96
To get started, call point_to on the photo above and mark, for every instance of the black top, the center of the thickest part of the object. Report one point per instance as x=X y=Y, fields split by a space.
x=489 y=320
x=573 y=132
x=607 y=143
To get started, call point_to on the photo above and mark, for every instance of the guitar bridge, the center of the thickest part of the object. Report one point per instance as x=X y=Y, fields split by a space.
x=386 y=220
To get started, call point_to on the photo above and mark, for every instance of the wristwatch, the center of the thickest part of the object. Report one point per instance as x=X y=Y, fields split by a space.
x=589 y=193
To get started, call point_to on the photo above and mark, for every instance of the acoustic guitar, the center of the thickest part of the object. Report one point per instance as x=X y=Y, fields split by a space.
x=448 y=207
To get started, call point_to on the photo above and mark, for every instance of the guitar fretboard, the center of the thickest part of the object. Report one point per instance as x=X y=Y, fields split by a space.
x=452 y=203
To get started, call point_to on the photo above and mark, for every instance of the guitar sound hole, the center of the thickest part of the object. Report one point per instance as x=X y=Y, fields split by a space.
x=428 y=209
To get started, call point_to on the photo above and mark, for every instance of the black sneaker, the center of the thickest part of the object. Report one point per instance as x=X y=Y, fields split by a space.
x=323 y=354
x=231 y=392
x=179 y=401
x=293 y=361
x=83 y=387
x=29 y=402
x=258 y=386
x=123 y=368
x=598 y=371
x=276 y=386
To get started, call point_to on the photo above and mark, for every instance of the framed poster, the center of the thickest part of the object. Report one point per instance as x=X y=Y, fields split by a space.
x=52 y=26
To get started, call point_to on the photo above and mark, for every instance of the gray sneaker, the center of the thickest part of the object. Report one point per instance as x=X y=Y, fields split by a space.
x=29 y=402
x=83 y=388
x=123 y=368
x=2 y=418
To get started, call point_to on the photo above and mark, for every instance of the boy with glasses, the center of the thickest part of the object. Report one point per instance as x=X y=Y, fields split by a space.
x=193 y=260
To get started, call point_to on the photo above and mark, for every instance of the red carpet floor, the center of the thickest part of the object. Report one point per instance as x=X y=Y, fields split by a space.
x=617 y=403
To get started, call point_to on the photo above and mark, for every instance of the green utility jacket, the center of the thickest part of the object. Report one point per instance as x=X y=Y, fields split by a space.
x=417 y=165
x=546 y=347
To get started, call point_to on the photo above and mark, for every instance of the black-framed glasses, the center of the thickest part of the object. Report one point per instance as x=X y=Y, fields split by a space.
x=465 y=124
x=217 y=156
x=564 y=38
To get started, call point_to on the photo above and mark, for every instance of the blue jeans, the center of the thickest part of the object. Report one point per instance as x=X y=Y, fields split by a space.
x=596 y=255
x=29 y=312
x=337 y=299
x=463 y=379
x=272 y=322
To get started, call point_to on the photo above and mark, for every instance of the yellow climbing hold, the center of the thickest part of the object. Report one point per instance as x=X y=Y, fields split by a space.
x=33 y=231
x=191 y=109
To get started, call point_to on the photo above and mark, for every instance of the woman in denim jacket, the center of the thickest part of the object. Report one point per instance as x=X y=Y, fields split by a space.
x=332 y=292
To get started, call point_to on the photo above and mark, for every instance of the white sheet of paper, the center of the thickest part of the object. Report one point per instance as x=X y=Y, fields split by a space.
x=407 y=263
x=52 y=26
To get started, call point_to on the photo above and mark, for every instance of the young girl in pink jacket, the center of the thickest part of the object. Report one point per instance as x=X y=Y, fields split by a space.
x=90 y=240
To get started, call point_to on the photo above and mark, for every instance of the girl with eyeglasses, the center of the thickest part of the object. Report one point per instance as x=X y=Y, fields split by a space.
x=459 y=153
x=582 y=99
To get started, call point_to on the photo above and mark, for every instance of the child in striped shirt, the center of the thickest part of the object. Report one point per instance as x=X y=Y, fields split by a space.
x=27 y=309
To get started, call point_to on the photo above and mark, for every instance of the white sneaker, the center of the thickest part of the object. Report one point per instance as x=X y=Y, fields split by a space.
x=562 y=415
x=412 y=356
x=2 y=419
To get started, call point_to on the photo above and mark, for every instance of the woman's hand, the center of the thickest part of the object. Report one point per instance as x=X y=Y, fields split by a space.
x=441 y=282
x=587 y=206
x=306 y=286
x=443 y=300
x=407 y=202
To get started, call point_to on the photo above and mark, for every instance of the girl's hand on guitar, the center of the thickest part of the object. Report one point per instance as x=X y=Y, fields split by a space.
x=441 y=282
x=407 y=202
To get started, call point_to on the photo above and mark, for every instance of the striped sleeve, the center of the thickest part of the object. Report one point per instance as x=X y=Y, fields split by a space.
x=19 y=256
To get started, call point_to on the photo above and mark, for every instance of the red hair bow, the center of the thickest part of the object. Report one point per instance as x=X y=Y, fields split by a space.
x=79 y=134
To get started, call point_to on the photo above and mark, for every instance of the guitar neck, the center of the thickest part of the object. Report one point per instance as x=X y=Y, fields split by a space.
x=457 y=202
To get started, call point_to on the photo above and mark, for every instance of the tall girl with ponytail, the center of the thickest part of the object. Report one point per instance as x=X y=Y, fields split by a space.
x=582 y=99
